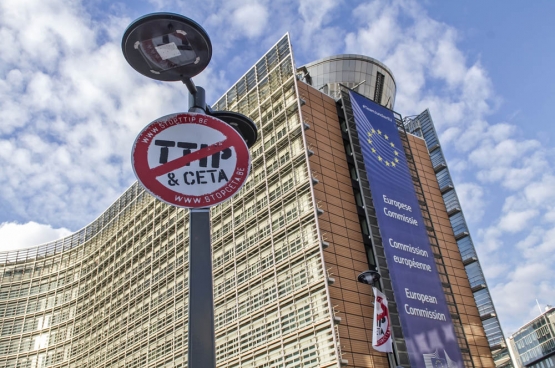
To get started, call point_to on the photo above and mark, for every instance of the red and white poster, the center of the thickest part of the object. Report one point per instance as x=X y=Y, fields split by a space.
x=381 y=334
x=191 y=160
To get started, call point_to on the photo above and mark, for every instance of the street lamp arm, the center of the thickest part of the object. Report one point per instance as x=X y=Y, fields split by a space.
x=190 y=85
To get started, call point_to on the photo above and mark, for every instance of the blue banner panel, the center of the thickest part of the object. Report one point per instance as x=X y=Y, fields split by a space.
x=427 y=326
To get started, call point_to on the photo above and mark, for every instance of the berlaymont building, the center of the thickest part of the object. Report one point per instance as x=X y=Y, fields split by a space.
x=339 y=184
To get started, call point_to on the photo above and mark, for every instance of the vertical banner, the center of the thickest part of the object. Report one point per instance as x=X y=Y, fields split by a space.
x=381 y=330
x=427 y=326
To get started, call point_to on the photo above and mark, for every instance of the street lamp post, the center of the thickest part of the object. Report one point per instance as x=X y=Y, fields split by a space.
x=171 y=47
x=372 y=278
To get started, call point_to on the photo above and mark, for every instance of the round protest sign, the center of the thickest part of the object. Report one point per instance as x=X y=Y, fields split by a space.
x=190 y=160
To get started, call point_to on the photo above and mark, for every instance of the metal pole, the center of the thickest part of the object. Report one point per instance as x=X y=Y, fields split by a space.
x=202 y=345
x=197 y=97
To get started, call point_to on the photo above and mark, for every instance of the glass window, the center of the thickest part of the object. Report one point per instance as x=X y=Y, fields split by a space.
x=466 y=247
x=428 y=130
x=353 y=172
x=458 y=223
x=437 y=157
x=475 y=275
x=378 y=90
x=483 y=301
x=443 y=178
x=451 y=200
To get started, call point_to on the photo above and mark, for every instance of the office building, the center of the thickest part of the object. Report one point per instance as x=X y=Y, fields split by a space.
x=422 y=125
x=327 y=75
x=533 y=345
x=287 y=250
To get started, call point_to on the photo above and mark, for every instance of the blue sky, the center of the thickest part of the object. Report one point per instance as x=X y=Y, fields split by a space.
x=71 y=107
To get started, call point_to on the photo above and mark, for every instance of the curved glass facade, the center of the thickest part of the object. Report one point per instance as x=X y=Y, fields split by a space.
x=115 y=293
x=97 y=297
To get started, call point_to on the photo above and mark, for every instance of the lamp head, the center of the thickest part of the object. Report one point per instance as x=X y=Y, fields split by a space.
x=166 y=46
x=369 y=277
x=245 y=126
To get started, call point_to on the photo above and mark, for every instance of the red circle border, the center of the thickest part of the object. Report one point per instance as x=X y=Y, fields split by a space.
x=139 y=160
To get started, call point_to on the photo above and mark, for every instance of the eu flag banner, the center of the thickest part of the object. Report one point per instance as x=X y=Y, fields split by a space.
x=427 y=326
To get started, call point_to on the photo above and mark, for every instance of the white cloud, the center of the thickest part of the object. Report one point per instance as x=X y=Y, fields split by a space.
x=528 y=282
x=17 y=236
x=517 y=221
x=42 y=40
x=504 y=153
x=541 y=192
x=488 y=240
x=228 y=23
x=377 y=37
x=74 y=111
x=448 y=62
x=518 y=251
x=473 y=203
x=315 y=34
x=251 y=19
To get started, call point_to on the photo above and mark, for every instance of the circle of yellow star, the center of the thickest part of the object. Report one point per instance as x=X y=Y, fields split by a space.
x=378 y=150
